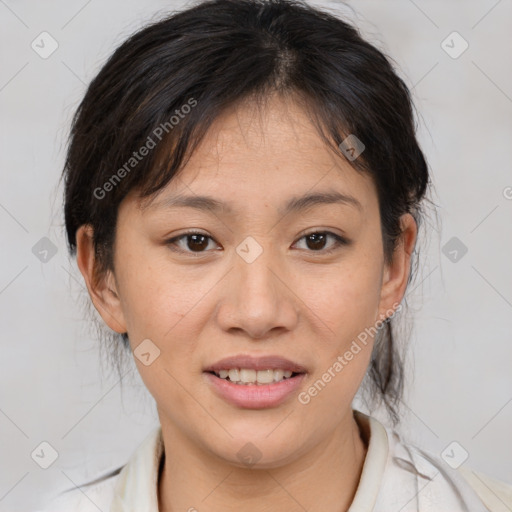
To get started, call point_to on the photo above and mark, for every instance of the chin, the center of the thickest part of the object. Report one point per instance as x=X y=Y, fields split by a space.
x=259 y=451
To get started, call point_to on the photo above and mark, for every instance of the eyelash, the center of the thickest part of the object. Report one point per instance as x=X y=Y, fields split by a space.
x=339 y=242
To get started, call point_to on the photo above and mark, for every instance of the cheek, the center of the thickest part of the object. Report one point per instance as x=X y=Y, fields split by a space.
x=162 y=302
x=163 y=306
x=349 y=308
x=347 y=296
x=152 y=298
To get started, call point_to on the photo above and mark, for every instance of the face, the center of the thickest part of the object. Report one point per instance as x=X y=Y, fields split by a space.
x=262 y=274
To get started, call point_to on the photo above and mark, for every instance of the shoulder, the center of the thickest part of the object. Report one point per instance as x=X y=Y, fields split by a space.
x=89 y=497
x=496 y=494
x=437 y=484
x=133 y=483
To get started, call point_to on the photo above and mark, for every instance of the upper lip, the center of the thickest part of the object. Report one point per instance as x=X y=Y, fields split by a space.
x=269 y=362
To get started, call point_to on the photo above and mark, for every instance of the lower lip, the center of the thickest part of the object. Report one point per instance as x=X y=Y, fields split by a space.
x=255 y=396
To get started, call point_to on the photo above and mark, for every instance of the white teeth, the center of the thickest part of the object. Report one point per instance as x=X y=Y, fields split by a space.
x=249 y=376
x=278 y=375
x=233 y=375
x=265 y=376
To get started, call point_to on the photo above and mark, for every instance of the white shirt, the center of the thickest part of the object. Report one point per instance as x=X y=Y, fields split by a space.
x=395 y=477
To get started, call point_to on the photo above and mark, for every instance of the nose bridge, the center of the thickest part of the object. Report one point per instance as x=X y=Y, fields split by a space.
x=257 y=277
x=257 y=300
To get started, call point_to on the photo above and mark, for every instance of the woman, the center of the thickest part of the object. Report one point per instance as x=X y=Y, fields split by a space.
x=243 y=189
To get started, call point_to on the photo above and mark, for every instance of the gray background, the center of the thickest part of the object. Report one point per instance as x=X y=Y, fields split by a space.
x=56 y=386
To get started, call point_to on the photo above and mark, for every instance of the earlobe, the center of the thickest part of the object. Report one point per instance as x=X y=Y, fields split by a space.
x=396 y=273
x=102 y=288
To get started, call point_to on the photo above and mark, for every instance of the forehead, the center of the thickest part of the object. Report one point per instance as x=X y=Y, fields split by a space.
x=263 y=155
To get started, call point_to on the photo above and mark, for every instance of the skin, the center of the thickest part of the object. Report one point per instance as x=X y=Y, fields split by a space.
x=294 y=300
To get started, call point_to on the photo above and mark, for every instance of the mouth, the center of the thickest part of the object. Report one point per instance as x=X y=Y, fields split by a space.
x=255 y=382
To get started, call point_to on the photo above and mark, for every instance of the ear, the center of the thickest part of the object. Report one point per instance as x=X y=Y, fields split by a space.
x=396 y=273
x=102 y=288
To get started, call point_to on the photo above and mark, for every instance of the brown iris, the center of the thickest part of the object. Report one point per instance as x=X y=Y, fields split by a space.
x=317 y=239
x=199 y=242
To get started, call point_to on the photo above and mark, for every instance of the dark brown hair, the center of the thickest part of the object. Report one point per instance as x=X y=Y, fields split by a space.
x=169 y=81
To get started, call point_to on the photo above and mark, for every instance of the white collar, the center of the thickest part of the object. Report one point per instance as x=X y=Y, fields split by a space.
x=136 y=486
x=395 y=476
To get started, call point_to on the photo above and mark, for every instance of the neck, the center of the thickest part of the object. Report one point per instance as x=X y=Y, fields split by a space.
x=323 y=479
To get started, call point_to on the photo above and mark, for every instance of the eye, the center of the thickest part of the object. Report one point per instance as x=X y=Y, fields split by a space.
x=195 y=242
x=316 y=241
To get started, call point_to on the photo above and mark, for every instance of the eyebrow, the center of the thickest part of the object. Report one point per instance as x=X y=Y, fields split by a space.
x=294 y=205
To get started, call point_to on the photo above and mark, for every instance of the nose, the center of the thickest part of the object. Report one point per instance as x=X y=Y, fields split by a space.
x=259 y=298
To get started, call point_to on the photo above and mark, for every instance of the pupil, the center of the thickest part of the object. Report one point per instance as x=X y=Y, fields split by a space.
x=202 y=245
x=316 y=245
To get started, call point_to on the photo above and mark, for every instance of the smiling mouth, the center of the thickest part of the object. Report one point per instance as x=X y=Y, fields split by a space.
x=248 y=377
